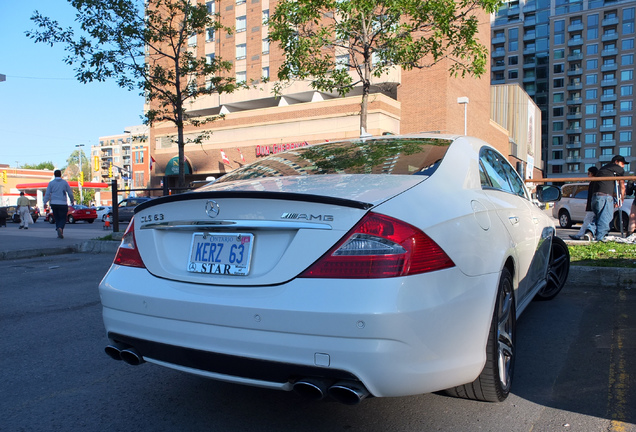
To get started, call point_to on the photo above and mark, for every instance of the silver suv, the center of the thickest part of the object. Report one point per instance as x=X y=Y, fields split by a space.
x=571 y=208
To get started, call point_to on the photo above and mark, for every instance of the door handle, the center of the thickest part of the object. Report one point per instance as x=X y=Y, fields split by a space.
x=514 y=220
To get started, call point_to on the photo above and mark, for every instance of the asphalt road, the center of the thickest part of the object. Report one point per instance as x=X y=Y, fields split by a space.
x=575 y=370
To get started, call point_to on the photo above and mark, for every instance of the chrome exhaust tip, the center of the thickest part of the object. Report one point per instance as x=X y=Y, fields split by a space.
x=311 y=388
x=348 y=392
x=131 y=356
x=114 y=351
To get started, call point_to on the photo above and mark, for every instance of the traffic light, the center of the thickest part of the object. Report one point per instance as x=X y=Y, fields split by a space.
x=110 y=170
x=96 y=163
x=4 y=176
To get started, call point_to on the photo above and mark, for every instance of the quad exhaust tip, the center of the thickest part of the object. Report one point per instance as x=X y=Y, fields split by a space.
x=126 y=353
x=346 y=392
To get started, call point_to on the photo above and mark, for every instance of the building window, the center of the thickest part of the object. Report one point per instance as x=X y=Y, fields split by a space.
x=513 y=39
x=211 y=7
x=591 y=79
x=192 y=40
x=591 y=49
x=557 y=126
x=559 y=32
x=628 y=21
x=627 y=75
x=627 y=44
x=590 y=123
x=241 y=77
x=557 y=111
x=625 y=151
x=209 y=34
x=590 y=139
x=592 y=26
x=342 y=61
x=608 y=122
x=559 y=54
x=592 y=64
x=591 y=94
x=625 y=136
x=557 y=140
x=265 y=46
x=241 y=51
x=513 y=74
x=557 y=97
x=265 y=17
x=627 y=59
x=627 y=90
x=513 y=60
x=626 y=105
x=557 y=169
x=559 y=68
x=557 y=154
x=265 y=73
x=626 y=120
x=241 y=23
x=209 y=58
x=590 y=109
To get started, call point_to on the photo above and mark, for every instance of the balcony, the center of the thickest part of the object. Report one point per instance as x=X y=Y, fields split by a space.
x=574 y=116
x=514 y=10
x=529 y=79
x=610 y=21
x=530 y=49
x=575 y=101
x=107 y=156
x=608 y=98
x=609 y=37
x=573 y=145
x=530 y=7
x=575 y=72
x=575 y=86
x=497 y=81
x=529 y=21
x=573 y=159
x=575 y=42
x=608 y=113
x=575 y=27
x=497 y=68
x=530 y=36
x=609 y=67
x=575 y=57
x=609 y=82
x=608 y=128
x=607 y=143
x=575 y=130
x=530 y=65
x=501 y=39
x=498 y=53
x=609 y=52
x=605 y=158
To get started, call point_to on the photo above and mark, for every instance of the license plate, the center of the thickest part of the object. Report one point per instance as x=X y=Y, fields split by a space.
x=221 y=253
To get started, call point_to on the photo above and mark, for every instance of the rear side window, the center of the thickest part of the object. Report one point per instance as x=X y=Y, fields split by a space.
x=403 y=156
x=497 y=173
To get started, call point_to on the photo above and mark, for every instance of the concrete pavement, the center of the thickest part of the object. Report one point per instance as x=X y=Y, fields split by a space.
x=41 y=240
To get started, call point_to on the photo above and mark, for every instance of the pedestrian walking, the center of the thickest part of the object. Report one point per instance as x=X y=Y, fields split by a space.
x=57 y=192
x=24 y=211
x=589 y=214
x=603 y=198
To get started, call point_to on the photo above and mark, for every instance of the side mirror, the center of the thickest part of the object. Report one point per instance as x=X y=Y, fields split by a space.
x=547 y=193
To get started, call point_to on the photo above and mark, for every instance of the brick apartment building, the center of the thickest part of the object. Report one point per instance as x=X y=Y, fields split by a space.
x=256 y=123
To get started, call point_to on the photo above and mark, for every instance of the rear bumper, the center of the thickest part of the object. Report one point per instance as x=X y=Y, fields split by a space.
x=398 y=337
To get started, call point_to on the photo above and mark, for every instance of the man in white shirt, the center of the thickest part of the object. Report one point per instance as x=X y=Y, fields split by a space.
x=57 y=192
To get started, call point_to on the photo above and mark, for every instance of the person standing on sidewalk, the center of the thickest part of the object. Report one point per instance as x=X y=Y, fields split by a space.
x=56 y=192
x=23 y=211
x=603 y=198
x=589 y=214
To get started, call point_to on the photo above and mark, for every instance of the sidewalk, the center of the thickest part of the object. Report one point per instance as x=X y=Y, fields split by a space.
x=41 y=240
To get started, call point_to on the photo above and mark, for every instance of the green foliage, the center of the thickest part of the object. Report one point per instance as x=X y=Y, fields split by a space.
x=603 y=254
x=376 y=36
x=143 y=45
x=41 y=166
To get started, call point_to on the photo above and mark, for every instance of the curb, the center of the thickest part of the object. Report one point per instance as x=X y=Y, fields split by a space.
x=90 y=246
x=613 y=277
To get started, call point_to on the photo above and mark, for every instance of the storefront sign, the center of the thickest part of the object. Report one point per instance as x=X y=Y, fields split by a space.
x=277 y=148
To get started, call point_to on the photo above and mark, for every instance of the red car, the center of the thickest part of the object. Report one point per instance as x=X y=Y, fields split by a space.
x=75 y=213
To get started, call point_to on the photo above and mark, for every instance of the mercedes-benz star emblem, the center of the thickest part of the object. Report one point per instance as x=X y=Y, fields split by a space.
x=212 y=208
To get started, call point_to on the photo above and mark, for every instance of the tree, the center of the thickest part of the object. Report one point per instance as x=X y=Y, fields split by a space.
x=339 y=45
x=146 y=49
x=41 y=166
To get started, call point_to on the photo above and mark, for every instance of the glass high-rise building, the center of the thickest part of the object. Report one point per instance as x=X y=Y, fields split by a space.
x=576 y=60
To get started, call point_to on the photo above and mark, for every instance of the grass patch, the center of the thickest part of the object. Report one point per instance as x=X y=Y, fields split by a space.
x=601 y=254
x=109 y=237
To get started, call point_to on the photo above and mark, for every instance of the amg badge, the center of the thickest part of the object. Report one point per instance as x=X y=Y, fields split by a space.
x=307 y=217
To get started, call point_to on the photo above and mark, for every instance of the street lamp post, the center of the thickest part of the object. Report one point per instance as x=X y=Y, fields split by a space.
x=464 y=101
x=131 y=183
x=81 y=173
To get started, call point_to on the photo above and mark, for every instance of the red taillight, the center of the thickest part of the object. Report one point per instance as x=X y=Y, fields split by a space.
x=127 y=254
x=380 y=247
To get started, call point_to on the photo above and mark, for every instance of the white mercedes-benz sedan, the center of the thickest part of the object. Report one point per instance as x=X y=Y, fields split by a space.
x=382 y=266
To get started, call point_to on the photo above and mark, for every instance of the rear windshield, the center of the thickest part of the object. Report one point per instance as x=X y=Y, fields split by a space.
x=401 y=156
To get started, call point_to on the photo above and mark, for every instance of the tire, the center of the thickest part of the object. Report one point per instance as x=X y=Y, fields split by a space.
x=616 y=223
x=71 y=219
x=51 y=220
x=495 y=380
x=104 y=218
x=558 y=270
x=565 y=221
x=91 y=220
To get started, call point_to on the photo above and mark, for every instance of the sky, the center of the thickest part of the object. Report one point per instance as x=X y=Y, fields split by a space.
x=44 y=111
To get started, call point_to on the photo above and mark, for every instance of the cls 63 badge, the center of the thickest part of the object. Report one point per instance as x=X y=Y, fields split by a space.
x=152 y=218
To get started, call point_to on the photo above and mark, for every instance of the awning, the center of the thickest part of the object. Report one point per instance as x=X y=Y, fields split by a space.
x=172 y=167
